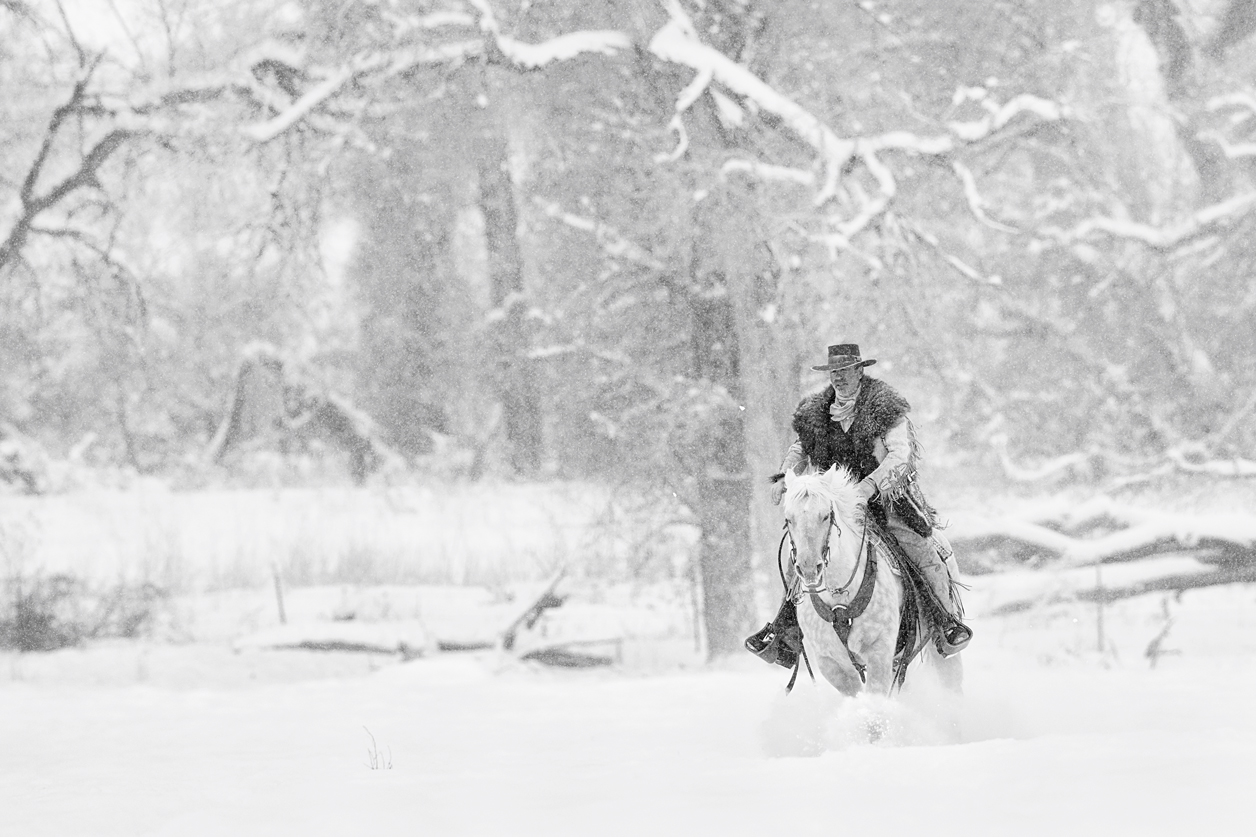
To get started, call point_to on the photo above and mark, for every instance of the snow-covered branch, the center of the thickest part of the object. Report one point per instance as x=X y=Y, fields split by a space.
x=999 y=116
x=684 y=101
x=769 y=171
x=961 y=266
x=82 y=174
x=1232 y=150
x=320 y=93
x=1239 y=99
x=1214 y=467
x=835 y=242
x=561 y=48
x=610 y=239
x=975 y=202
x=1167 y=237
x=378 y=66
x=677 y=43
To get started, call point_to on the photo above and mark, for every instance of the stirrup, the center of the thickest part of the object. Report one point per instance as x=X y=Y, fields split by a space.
x=759 y=641
x=779 y=641
x=954 y=638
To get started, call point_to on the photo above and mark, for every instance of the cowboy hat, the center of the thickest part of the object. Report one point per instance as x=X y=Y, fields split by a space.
x=844 y=356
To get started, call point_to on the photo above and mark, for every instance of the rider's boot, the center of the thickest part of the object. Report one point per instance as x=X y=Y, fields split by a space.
x=779 y=641
x=924 y=554
x=955 y=634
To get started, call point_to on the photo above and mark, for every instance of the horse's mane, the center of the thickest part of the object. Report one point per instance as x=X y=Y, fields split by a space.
x=837 y=486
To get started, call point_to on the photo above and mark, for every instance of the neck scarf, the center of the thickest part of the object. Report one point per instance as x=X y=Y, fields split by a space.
x=843 y=411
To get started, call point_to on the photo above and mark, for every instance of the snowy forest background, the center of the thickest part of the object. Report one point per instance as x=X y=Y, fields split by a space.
x=388 y=390
x=325 y=243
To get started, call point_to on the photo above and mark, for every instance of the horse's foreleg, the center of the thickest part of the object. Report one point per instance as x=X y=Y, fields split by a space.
x=844 y=678
x=880 y=661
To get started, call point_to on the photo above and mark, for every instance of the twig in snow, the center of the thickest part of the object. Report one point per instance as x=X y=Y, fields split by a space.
x=375 y=759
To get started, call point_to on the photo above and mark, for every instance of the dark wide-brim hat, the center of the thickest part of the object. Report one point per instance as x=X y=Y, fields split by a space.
x=844 y=356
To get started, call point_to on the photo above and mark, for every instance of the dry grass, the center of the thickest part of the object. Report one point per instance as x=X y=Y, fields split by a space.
x=485 y=535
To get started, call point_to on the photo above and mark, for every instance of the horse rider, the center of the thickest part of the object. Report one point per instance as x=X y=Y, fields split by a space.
x=861 y=423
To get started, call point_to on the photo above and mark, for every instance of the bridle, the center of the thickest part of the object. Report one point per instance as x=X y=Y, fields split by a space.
x=842 y=615
x=819 y=586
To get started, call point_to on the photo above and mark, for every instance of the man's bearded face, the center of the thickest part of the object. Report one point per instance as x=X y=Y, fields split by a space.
x=846 y=381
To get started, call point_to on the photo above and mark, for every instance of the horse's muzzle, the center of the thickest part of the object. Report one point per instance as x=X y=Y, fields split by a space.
x=812 y=585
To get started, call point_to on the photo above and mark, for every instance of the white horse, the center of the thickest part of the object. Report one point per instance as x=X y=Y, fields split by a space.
x=847 y=581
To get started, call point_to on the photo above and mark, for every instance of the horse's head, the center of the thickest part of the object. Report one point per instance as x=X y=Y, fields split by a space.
x=821 y=513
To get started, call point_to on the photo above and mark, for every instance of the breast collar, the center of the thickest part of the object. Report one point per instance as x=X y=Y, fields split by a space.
x=842 y=616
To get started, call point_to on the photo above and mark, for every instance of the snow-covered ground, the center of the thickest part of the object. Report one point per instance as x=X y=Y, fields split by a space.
x=1054 y=737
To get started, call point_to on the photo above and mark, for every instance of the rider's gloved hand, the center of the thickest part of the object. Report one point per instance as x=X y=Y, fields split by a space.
x=777 y=492
x=867 y=489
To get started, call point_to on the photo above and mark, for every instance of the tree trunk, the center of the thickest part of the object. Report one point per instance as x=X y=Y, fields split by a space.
x=734 y=348
x=516 y=378
x=770 y=390
x=727 y=581
x=718 y=456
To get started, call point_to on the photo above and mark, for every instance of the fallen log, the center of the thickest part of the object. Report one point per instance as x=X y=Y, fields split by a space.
x=1224 y=539
x=525 y=620
x=416 y=638
x=408 y=638
x=1174 y=582
x=568 y=654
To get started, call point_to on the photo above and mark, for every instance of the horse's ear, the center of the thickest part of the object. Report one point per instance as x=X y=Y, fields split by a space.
x=830 y=476
x=789 y=477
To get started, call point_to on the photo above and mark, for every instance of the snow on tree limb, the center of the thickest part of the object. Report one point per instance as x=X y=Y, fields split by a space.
x=962 y=267
x=677 y=43
x=301 y=108
x=31 y=203
x=1215 y=467
x=1167 y=237
x=404 y=24
x=1000 y=115
x=1238 y=99
x=874 y=208
x=561 y=48
x=835 y=242
x=769 y=171
x=701 y=82
x=385 y=64
x=975 y=202
x=1232 y=150
x=610 y=239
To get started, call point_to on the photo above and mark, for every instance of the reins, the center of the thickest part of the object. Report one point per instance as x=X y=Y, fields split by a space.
x=855 y=569
x=789 y=594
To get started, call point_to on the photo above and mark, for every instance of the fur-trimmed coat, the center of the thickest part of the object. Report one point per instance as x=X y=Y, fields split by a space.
x=878 y=409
